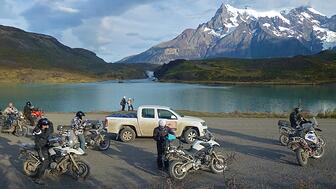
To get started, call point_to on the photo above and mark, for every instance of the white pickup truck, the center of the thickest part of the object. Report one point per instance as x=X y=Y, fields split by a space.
x=142 y=123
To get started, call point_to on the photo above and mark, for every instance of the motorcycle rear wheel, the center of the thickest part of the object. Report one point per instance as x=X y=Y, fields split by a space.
x=29 y=167
x=302 y=156
x=175 y=170
x=104 y=144
x=218 y=166
x=283 y=139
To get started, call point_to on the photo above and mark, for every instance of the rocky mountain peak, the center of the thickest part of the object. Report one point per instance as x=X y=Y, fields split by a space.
x=248 y=33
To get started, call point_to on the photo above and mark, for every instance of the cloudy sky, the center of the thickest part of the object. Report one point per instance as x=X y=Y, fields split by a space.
x=115 y=29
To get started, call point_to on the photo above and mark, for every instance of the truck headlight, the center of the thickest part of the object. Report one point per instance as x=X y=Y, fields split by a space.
x=203 y=123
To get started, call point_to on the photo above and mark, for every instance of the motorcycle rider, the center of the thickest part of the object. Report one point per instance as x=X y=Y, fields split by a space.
x=10 y=113
x=78 y=128
x=42 y=132
x=295 y=118
x=27 y=112
x=296 y=121
x=160 y=136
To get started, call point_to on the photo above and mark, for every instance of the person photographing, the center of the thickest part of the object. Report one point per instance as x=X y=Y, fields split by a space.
x=160 y=136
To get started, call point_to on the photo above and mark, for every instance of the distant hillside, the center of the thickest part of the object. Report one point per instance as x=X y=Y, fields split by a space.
x=312 y=69
x=23 y=53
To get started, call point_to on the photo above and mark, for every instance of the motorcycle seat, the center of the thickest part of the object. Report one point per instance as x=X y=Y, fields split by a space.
x=206 y=145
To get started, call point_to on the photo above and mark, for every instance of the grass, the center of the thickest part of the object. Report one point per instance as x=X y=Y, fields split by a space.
x=313 y=69
x=26 y=75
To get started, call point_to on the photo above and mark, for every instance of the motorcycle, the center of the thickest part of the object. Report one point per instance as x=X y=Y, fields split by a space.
x=36 y=114
x=63 y=159
x=15 y=123
x=94 y=133
x=285 y=131
x=311 y=145
x=201 y=155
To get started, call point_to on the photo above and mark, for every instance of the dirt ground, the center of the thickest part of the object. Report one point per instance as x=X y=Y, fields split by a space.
x=260 y=161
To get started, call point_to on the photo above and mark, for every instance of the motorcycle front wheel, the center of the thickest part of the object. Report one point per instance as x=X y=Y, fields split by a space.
x=301 y=156
x=30 y=167
x=175 y=170
x=319 y=153
x=283 y=139
x=218 y=165
x=83 y=170
x=21 y=131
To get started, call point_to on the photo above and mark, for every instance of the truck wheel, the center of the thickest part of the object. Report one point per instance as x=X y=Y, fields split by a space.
x=189 y=135
x=127 y=134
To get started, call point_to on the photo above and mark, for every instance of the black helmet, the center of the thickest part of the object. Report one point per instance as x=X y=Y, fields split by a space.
x=28 y=103
x=43 y=121
x=80 y=114
x=297 y=110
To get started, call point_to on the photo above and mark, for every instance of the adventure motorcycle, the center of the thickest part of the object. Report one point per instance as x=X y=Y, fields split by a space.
x=285 y=131
x=94 y=133
x=201 y=155
x=310 y=145
x=63 y=159
x=15 y=123
x=36 y=114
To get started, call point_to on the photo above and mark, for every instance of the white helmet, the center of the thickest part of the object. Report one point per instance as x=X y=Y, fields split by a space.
x=162 y=123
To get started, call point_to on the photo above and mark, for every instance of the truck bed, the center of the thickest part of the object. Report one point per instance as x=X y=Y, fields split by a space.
x=120 y=115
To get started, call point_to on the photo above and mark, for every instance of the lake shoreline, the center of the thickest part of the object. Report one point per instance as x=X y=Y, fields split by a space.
x=236 y=114
x=250 y=83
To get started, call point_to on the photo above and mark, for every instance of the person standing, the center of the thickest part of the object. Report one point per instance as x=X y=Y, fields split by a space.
x=130 y=104
x=160 y=136
x=78 y=128
x=123 y=103
x=27 y=112
x=41 y=133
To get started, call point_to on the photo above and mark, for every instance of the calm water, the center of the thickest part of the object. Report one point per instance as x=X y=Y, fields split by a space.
x=105 y=96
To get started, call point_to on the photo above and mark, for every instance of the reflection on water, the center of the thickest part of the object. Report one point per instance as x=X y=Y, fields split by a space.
x=105 y=96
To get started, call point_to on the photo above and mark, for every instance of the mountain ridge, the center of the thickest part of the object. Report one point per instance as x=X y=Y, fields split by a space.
x=247 y=33
x=22 y=52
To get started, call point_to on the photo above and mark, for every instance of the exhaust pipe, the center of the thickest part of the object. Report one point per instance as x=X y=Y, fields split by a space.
x=187 y=167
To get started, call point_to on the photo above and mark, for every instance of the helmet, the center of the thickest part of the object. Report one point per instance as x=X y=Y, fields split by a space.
x=162 y=123
x=43 y=121
x=80 y=114
x=28 y=103
x=297 y=110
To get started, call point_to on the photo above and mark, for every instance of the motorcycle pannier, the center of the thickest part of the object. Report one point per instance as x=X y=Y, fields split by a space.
x=284 y=123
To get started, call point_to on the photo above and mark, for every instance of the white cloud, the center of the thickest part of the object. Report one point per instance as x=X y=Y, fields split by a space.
x=67 y=9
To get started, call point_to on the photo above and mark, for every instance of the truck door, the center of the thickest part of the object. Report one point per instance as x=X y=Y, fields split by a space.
x=148 y=121
x=169 y=117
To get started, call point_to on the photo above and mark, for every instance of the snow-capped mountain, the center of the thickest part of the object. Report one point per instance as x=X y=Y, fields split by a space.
x=247 y=33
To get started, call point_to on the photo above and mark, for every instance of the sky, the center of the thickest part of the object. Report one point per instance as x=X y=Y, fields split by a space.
x=115 y=29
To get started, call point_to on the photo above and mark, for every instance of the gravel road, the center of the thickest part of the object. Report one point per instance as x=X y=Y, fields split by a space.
x=260 y=161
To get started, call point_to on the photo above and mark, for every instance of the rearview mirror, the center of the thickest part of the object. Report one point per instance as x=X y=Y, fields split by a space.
x=173 y=117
